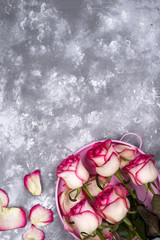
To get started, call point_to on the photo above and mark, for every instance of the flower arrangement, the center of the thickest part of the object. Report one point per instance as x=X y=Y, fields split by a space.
x=99 y=197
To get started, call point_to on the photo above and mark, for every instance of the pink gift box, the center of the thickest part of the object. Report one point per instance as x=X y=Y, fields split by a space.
x=140 y=190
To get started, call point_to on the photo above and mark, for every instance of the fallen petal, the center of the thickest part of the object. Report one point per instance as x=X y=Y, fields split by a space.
x=4 y=200
x=12 y=218
x=40 y=216
x=33 y=183
x=33 y=233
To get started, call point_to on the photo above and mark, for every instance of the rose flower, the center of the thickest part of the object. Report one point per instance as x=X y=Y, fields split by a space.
x=142 y=170
x=84 y=217
x=104 y=158
x=72 y=171
x=112 y=204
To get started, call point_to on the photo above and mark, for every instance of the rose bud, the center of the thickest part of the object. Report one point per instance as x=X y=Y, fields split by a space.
x=104 y=158
x=126 y=153
x=92 y=186
x=72 y=171
x=112 y=204
x=142 y=170
x=84 y=217
x=65 y=201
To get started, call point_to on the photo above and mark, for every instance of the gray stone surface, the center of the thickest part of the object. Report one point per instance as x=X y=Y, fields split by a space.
x=72 y=72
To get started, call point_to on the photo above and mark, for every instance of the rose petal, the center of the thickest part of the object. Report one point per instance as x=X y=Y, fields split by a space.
x=84 y=217
x=147 y=174
x=4 y=200
x=81 y=172
x=33 y=233
x=12 y=218
x=117 y=210
x=110 y=167
x=40 y=216
x=126 y=152
x=32 y=182
x=89 y=225
x=71 y=179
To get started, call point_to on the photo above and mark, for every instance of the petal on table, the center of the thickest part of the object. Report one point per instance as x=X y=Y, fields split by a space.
x=4 y=200
x=33 y=233
x=33 y=183
x=12 y=218
x=40 y=216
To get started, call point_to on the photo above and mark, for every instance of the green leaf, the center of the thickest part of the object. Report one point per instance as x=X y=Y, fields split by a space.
x=140 y=225
x=156 y=204
x=115 y=227
x=123 y=231
x=131 y=235
x=151 y=220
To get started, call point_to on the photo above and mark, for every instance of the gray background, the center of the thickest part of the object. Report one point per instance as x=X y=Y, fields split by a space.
x=72 y=72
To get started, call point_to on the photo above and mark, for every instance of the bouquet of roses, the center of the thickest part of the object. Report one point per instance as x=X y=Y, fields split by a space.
x=105 y=205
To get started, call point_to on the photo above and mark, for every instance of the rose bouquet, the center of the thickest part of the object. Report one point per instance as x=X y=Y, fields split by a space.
x=110 y=190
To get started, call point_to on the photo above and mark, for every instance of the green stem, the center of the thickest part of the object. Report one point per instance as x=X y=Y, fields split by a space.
x=100 y=235
x=115 y=235
x=122 y=181
x=88 y=193
x=151 y=189
x=129 y=224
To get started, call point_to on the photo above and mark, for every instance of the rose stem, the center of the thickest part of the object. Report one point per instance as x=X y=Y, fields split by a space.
x=88 y=193
x=129 y=224
x=100 y=234
x=151 y=189
x=122 y=181
x=115 y=235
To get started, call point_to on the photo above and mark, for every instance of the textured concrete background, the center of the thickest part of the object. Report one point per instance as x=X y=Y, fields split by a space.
x=72 y=72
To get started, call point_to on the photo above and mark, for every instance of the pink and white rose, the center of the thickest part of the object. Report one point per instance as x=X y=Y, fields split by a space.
x=112 y=204
x=65 y=203
x=126 y=153
x=84 y=217
x=72 y=171
x=105 y=160
x=142 y=170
